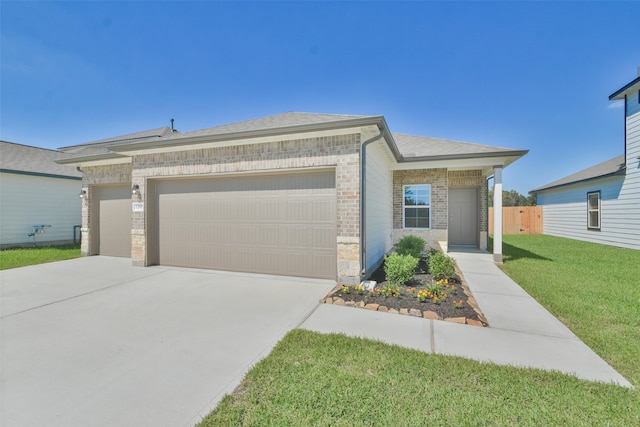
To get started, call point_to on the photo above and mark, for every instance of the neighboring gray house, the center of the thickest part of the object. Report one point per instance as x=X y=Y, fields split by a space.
x=601 y=204
x=35 y=191
x=298 y=194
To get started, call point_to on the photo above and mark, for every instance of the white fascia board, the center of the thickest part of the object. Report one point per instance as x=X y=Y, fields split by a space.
x=244 y=141
x=102 y=162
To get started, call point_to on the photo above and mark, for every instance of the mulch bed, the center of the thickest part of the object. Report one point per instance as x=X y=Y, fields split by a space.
x=408 y=304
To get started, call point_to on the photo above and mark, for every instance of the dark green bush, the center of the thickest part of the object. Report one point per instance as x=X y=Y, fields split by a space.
x=411 y=245
x=399 y=268
x=441 y=266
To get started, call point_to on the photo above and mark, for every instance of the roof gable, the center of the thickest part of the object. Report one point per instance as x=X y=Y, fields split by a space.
x=609 y=167
x=276 y=121
x=632 y=86
x=412 y=146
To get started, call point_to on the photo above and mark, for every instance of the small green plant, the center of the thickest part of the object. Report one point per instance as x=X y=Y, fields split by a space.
x=437 y=291
x=411 y=245
x=399 y=268
x=423 y=295
x=441 y=266
x=458 y=303
x=434 y=289
x=389 y=290
x=359 y=289
x=346 y=289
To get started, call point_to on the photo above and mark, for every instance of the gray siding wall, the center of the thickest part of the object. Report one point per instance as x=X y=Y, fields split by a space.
x=565 y=208
x=379 y=210
x=631 y=189
x=28 y=200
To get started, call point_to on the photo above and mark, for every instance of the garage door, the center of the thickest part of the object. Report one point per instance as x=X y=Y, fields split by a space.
x=274 y=224
x=114 y=220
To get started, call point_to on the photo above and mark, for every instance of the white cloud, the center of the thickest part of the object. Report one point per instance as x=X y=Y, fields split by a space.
x=617 y=104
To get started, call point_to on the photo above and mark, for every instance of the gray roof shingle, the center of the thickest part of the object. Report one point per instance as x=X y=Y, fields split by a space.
x=410 y=147
x=275 y=121
x=34 y=160
x=99 y=146
x=609 y=167
x=423 y=146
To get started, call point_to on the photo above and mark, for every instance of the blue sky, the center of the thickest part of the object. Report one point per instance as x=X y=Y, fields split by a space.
x=527 y=75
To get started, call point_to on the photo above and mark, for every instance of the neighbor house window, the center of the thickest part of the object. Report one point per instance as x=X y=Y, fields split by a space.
x=593 y=210
x=416 y=206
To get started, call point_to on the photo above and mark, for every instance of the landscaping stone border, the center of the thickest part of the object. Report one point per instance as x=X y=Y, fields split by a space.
x=427 y=314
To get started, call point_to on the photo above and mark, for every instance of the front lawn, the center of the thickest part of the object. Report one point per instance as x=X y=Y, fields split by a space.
x=21 y=257
x=315 y=379
x=593 y=289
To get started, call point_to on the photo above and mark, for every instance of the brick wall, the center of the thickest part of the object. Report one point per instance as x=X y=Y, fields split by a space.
x=439 y=196
x=440 y=180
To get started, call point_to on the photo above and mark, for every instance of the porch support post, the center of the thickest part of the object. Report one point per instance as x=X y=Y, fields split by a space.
x=497 y=214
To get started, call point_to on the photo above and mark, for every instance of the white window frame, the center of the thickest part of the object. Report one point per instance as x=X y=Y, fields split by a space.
x=591 y=210
x=404 y=206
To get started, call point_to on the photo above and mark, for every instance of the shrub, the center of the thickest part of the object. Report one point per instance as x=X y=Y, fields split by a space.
x=399 y=268
x=411 y=245
x=441 y=266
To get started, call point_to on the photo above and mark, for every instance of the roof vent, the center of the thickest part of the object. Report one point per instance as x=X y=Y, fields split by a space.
x=172 y=129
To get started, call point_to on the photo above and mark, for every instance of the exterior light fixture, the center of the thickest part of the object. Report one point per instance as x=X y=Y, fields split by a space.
x=135 y=189
x=83 y=194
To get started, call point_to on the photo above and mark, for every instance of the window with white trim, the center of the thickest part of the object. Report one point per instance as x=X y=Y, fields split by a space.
x=593 y=210
x=416 y=206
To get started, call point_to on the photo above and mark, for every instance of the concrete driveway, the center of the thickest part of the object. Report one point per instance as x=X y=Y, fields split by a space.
x=95 y=341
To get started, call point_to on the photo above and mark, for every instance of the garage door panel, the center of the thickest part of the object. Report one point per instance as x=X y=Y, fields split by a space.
x=114 y=220
x=274 y=224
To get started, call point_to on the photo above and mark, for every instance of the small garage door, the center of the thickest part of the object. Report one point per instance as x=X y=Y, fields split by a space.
x=280 y=224
x=113 y=214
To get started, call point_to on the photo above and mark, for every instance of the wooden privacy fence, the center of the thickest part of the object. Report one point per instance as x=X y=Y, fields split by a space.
x=519 y=220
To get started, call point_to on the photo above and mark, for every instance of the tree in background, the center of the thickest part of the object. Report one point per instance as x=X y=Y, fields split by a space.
x=513 y=198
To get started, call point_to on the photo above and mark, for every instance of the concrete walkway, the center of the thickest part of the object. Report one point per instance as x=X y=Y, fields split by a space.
x=521 y=332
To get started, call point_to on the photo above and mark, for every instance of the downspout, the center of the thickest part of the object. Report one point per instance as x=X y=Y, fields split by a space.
x=625 y=124
x=363 y=204
x=489 y=178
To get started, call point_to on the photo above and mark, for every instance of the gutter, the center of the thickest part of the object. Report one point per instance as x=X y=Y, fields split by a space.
x=619 y=172
x=516 y=153
x=42 y=174
x=363 y=194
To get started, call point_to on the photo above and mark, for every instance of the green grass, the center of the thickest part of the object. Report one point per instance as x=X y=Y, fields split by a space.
x=314 y=379
x=594 y=289
x=21 y=257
